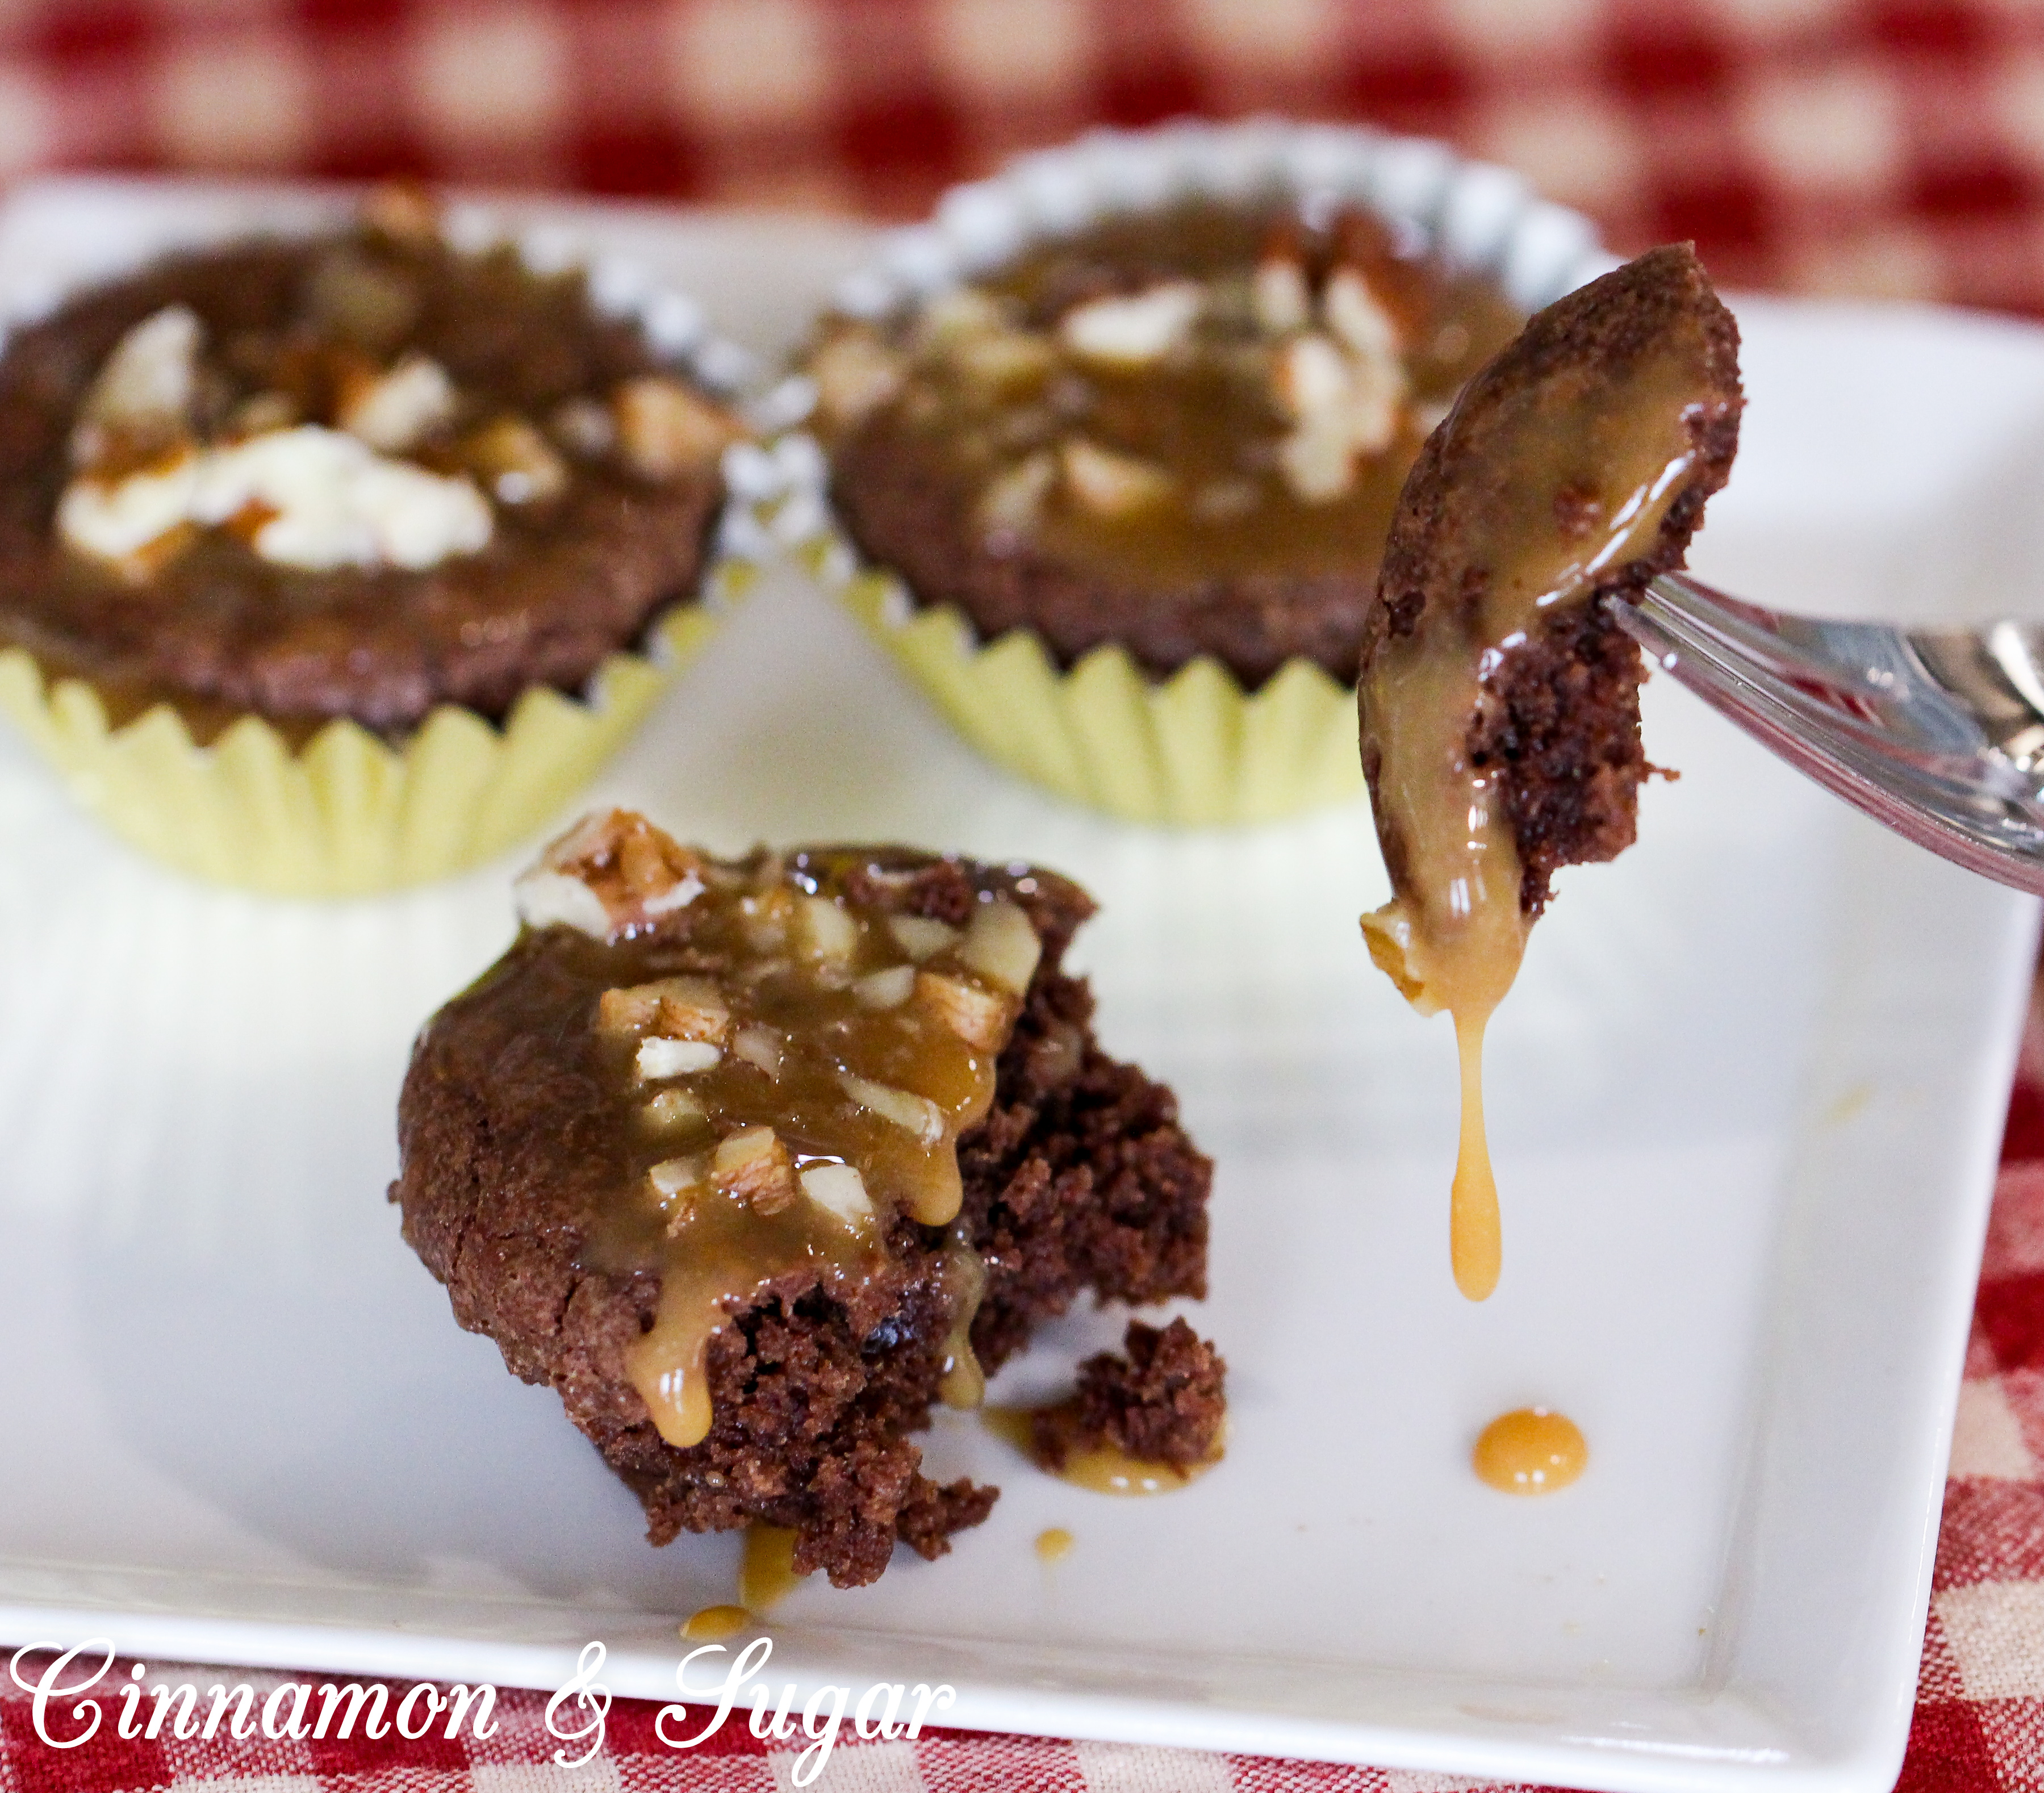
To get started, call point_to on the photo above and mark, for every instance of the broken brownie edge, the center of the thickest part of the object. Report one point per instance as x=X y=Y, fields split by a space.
x=518 y=1138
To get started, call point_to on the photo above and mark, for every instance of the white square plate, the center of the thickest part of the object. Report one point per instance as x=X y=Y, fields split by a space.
x=1745 y=1107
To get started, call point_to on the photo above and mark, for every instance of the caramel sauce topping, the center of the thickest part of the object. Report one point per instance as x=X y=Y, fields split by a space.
x=1531 y=1450
x=1561 y=482
x=814 y=1086
x=1269 y=431
x=793 y=1069
x=766 y=1577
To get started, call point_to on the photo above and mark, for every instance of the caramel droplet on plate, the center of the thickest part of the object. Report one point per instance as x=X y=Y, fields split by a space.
x=715 y=1623
x=1103 y=1468
x=1054 y=1545
x=1533 y=1450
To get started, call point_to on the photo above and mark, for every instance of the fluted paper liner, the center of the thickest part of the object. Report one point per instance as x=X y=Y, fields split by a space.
x=1193 y=747
x=349 y=813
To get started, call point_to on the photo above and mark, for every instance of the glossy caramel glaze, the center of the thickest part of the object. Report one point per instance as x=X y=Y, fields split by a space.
x=1531 y=1450
x=786 y=1081
x=1210 y=419
x=766 y=1572
x=777 y=1064
x=1181 y=472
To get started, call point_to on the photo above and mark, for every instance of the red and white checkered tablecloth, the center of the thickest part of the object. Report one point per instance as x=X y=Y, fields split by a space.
x=1869 y=146
x=1874 y=147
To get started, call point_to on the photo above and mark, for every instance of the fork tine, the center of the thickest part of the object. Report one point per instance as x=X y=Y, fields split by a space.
x=1856 y=708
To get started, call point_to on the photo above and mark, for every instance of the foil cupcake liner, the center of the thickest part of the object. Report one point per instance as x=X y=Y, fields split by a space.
x=1192 y=747
x=348 y=813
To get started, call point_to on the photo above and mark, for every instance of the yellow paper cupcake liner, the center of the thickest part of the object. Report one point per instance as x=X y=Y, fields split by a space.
x=1194 y=749
x=348 y=813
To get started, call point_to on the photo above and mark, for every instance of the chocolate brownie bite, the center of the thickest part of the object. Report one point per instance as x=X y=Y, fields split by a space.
x=355 y=476
x=1180 y=432
x=754 y=1162
x=1162 y=1400
x=1500 y=700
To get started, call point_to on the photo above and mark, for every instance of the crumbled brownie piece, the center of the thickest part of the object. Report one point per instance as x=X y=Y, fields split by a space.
x=1163 y=1401
x=580 y=1207
x=1081 y=1178
x=1562 y=717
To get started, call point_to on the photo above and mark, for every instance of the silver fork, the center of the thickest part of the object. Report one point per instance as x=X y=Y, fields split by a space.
x=1938 y=733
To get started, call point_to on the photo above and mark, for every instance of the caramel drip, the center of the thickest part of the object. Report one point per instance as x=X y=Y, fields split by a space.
x=1531 y=1450
x=796 y=1072
x=1105 y=1469
x=728 y=1267
x=1452 y=940
x=1476 y=1250
x=963 y=1383
x=767 y=1572
x=1576 y=483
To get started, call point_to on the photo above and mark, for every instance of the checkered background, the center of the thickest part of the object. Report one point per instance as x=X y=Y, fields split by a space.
x=1869 y=146
x=1876 y=147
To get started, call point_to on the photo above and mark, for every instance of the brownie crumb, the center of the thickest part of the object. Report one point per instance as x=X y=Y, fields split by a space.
x=1163 y=1401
